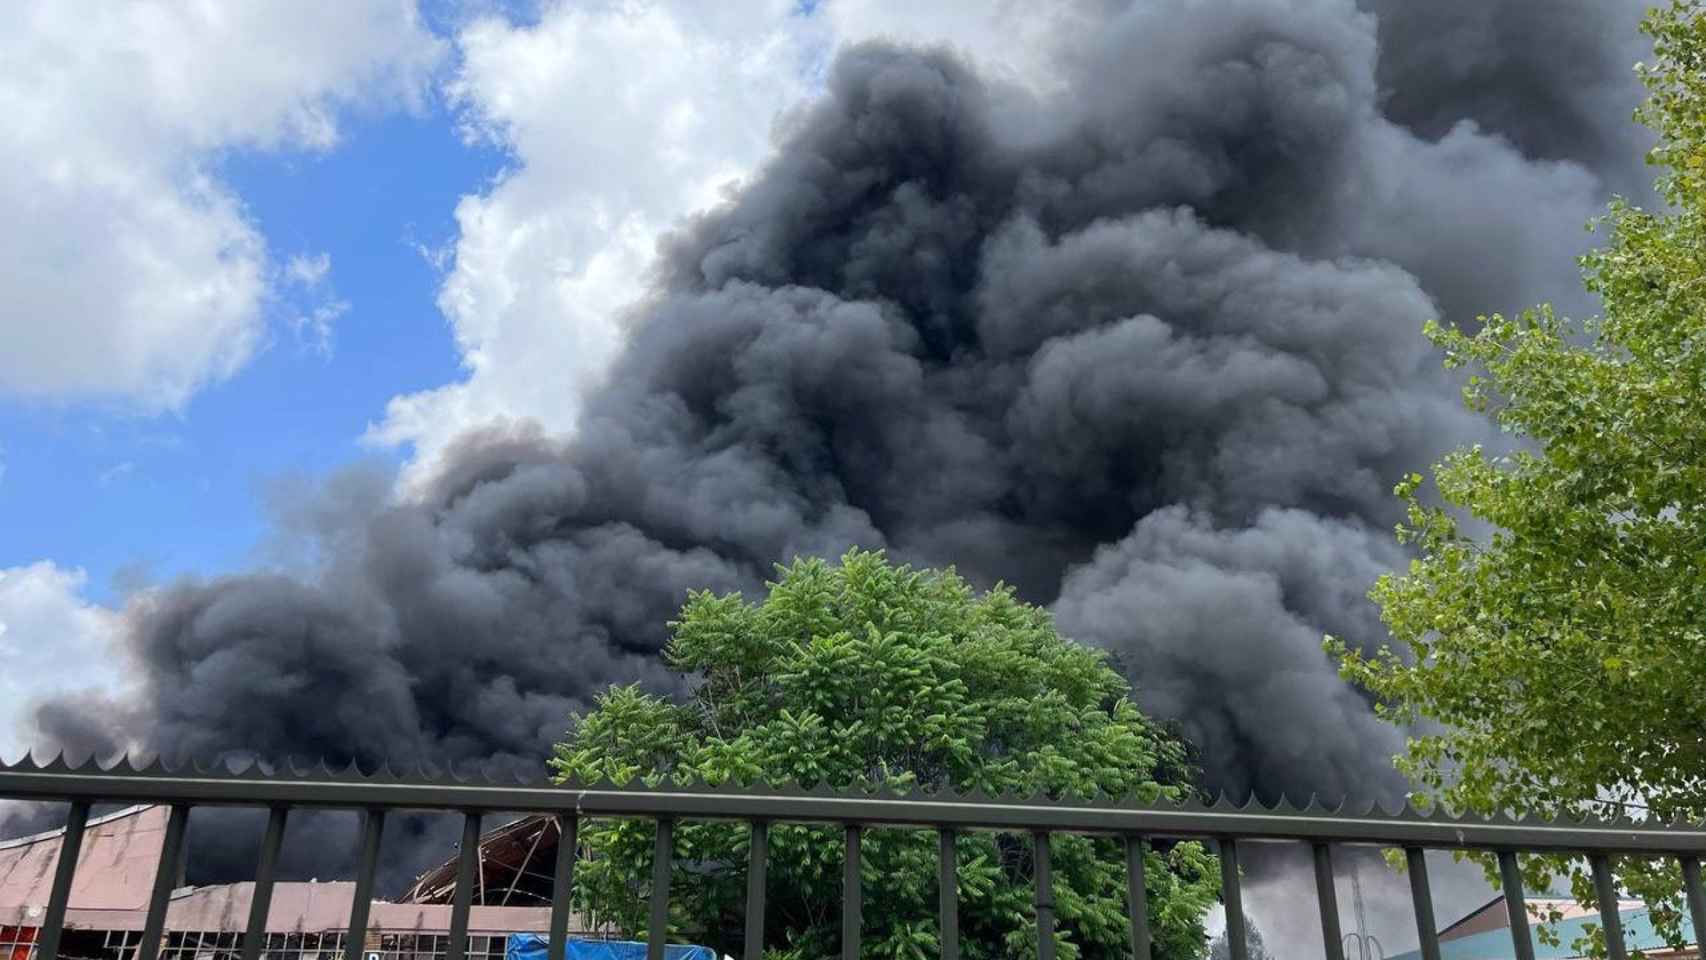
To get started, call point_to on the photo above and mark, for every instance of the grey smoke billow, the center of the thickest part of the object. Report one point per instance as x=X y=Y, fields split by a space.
x=1148 y=349
x=1550 y=75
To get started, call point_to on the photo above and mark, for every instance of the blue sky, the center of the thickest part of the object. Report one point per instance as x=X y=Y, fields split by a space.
x=250 y=245
x=129 y=489
x=120 y=493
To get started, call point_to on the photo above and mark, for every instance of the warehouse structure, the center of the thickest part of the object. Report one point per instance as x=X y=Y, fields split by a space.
x=307 y=921
x=1485 y=932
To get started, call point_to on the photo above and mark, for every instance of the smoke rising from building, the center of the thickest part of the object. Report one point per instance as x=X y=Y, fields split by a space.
x=1148 y=348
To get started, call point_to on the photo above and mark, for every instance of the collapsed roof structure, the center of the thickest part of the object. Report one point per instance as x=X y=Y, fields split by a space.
x=516 y=867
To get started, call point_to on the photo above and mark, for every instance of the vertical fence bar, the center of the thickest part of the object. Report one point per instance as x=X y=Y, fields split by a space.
x=852 y=897
x=663 y=860
x=1233 y=897
x=1137 y=899
x=563 y=885
x=1045 y=895
x=372 y=826
x=757 y=867
x=1610 y=918
x=165 y=878
x=1696 y=902
x=70 y=846
x=1327 y=896
x=1511 y=875
x=1421 y=894
x=948 y=891
x=462 y=901
x=260 y=903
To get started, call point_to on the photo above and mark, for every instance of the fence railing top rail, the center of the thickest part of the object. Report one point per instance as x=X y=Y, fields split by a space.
x=129 y=781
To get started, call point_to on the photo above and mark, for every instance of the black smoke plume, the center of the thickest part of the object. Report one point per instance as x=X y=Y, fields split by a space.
x=1148 y=348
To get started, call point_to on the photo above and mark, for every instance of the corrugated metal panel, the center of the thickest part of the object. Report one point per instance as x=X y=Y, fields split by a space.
x=298 y=908
x=115 y=868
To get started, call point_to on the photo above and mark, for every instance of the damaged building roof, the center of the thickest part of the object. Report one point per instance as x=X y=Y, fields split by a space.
x=121 y=854
x=515 y=867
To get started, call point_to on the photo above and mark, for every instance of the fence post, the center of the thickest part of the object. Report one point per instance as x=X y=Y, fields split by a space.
x=1232 y=896
x=1427 y=928
x=1045 y=895
x=1327 y=897
x=948 y=891
x=757 y=867
x=462 y=901
x=1137 y=899
x=1511 y=875
x=1610 y=918
x=1696 y=902
x=852 y=897
x=261 y=900
x=563 y=885
x=372 y=827
x=663 y=860
x=165 y=877
x=70 y=846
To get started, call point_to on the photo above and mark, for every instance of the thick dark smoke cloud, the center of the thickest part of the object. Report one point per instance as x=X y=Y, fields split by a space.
x=1148 y=349
x=1553 y=77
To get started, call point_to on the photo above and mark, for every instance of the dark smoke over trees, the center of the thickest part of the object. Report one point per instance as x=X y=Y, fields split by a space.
x=1147 y=348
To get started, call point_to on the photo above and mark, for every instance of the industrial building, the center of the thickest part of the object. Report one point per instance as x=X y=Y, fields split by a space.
x=121 y=853
x=1485 y=933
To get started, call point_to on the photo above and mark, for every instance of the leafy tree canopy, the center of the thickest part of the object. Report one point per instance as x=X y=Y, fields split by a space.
x=1559 y=664
x=867 y=674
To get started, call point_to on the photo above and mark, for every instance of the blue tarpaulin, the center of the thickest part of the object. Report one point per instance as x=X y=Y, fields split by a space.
x=531 y=946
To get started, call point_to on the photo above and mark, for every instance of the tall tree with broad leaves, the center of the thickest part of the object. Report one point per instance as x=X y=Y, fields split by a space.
x=1556 y=665
x=864 y=675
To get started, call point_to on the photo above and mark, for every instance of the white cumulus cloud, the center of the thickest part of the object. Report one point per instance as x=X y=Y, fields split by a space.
x=52 y=641
x=134 y=275
x=621 y=118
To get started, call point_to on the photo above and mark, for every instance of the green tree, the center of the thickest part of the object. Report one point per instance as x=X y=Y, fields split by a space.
x=864 y=675
x=1558 y=665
